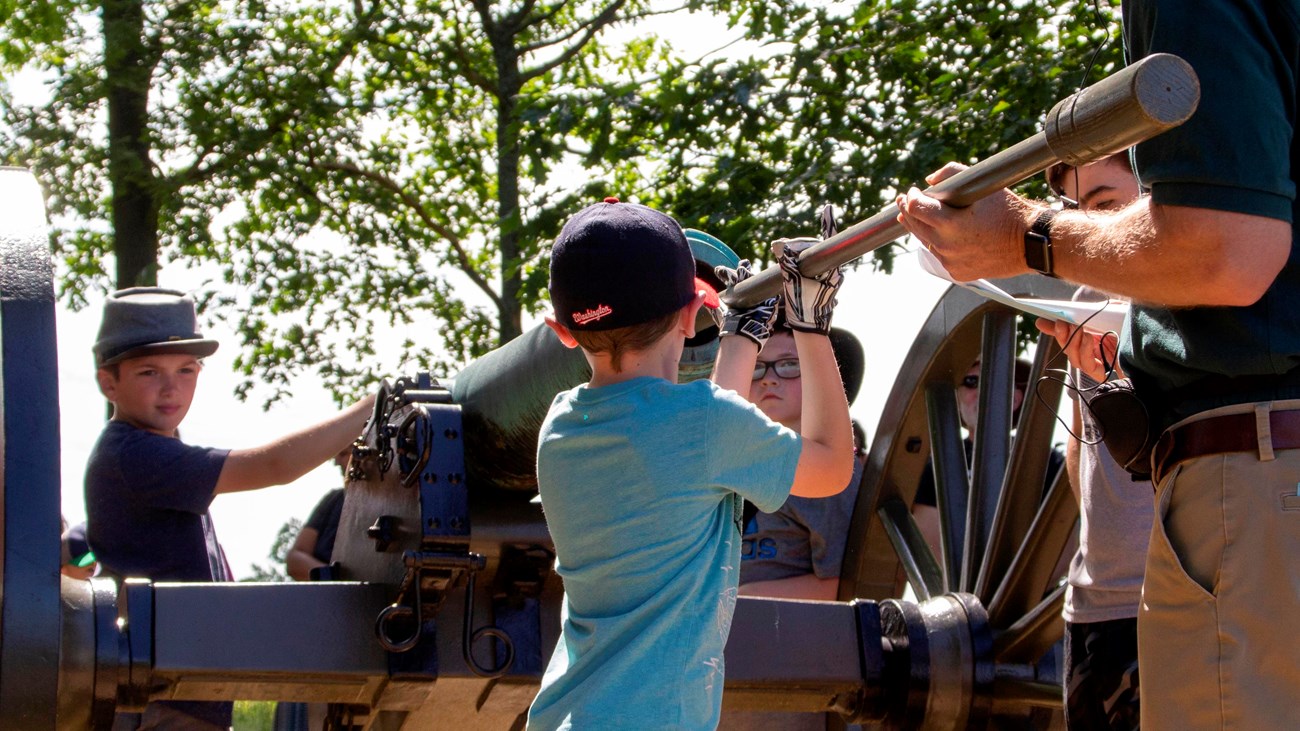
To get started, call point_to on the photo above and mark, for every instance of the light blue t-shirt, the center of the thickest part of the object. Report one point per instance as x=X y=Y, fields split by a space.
x=641 y=483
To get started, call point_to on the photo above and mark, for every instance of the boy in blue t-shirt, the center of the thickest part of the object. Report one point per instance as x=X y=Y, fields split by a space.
x=147 y=493
x=642 y=480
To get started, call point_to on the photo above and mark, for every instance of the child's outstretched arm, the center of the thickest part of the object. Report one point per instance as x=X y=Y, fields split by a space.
x=826 y=462
x=290 y=457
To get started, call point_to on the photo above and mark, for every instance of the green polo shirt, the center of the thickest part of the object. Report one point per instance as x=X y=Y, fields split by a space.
x=1237 y=153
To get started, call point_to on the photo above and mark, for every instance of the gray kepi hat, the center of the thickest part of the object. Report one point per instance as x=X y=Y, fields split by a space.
x=149 y=321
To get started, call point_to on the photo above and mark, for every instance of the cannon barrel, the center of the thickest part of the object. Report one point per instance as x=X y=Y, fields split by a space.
x=1155 y=94
x=506 y=393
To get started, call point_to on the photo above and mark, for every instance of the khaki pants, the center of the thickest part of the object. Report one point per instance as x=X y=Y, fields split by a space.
x=1219 y=624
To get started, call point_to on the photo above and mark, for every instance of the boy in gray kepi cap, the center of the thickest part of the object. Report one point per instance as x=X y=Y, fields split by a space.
x=147 y=493
x=642 y=479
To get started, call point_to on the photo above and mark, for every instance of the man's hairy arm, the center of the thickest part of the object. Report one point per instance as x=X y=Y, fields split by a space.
x=1175 y=256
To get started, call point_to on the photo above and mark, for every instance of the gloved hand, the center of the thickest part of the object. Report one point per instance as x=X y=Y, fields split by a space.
x=809 y=301
x=754 y=322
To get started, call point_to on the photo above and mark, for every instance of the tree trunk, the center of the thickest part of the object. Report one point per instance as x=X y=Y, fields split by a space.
x=128 y=68
x=509 y=323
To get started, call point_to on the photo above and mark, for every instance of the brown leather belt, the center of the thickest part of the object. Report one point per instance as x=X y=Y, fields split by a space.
x=1222 y=435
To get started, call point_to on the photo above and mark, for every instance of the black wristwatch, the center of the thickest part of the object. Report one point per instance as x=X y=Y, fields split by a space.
x=1038 y=244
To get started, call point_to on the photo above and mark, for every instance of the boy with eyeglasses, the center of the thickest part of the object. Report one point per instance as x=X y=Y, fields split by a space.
x=796 y=551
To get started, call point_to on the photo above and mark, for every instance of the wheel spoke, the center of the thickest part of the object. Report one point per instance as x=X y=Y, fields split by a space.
x=918 y=562
x=1034 y=634
x=1022 y=488
x=993 y=437
x=1031 y=572
x=951 y=485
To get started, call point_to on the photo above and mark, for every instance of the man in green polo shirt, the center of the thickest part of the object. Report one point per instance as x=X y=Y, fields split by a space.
x=1212 y=345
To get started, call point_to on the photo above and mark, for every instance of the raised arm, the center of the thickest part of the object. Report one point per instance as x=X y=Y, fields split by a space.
x=826 y=461
x=734 y=367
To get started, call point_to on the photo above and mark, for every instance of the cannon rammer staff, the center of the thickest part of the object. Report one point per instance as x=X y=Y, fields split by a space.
x=1155 y=94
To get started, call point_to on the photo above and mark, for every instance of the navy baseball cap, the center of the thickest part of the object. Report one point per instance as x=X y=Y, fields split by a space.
x=620 y=264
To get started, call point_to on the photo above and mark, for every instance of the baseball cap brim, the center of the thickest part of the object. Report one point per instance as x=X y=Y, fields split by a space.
x=711 y=299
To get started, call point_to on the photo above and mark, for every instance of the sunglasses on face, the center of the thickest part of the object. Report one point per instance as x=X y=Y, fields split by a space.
x=971 y=381
x=785 y=368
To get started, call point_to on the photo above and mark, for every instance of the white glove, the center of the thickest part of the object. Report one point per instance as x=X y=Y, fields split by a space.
x=809 y=301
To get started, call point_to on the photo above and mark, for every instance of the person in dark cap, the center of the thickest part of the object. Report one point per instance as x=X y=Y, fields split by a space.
x=642 y=479
x=147 y=493
x=924 y=505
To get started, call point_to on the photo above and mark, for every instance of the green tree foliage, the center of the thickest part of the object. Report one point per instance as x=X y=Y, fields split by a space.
x=440 y=196
x=852 y=103
x=284 y=538
x=374 y=182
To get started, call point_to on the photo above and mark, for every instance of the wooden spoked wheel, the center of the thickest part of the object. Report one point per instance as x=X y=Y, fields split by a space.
x=990 y=598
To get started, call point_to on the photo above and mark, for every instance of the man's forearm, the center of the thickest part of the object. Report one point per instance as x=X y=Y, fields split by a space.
x=1175 y=256
x=1172 y=255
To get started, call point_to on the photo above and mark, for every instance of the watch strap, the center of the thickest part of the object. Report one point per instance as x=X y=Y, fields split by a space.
x=1038 y=244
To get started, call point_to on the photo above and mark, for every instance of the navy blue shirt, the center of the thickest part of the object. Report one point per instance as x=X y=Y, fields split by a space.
x=147 y=500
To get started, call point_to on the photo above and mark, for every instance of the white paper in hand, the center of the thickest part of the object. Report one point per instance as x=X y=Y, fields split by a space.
x=1098 y=318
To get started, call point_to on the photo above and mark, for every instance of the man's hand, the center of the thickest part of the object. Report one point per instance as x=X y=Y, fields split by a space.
x=985 y=240
x=754 y=322
x=1091 y=354
x=809 y=301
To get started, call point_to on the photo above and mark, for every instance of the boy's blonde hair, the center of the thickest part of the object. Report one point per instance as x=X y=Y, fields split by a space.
x=628 y=339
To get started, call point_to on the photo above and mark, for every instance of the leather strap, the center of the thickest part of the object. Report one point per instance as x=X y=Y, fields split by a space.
x=1222 y=435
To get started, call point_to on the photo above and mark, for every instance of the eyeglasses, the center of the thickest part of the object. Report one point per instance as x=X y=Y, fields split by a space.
x=971 y=381
x=785 y=368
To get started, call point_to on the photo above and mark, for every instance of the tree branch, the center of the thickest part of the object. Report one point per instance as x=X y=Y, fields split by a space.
x=556 y=40
x=588 y=31
x=518 y=20
x=467 y=65
x=197 y=172
x=410 y=201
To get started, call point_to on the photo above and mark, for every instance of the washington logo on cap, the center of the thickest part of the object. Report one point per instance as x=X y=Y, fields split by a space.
x=582 y=318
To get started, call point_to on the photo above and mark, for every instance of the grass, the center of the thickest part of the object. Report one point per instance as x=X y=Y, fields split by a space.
x=253 y=715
